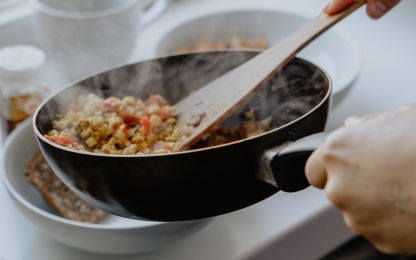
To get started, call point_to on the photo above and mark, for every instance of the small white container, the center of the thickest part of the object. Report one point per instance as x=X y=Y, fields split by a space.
x=85 y=36
x=22 y=84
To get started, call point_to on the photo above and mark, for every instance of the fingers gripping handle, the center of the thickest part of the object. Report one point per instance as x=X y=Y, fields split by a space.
x=284 y=165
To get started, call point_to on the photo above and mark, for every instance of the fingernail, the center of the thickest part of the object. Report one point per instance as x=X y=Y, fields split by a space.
x=327 y=6
x=352 y=120
x=378 y=9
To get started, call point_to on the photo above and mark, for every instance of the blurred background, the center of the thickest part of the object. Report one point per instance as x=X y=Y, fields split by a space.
x=371 y=64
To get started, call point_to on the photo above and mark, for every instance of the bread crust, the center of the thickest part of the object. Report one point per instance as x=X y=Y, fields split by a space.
x=58 y=196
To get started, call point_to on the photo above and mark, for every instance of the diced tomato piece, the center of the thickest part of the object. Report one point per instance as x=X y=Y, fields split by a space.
x=146 y=124
x=153 y=99
x=161 y=145
x=73 y=107
x=62 y=140
x=163 y=114
x=130 y=120
x=123 y=127
x=131 y=104
x=111 y=104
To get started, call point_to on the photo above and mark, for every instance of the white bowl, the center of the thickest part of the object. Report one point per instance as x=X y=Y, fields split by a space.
x=335 y=51
x=112 y=235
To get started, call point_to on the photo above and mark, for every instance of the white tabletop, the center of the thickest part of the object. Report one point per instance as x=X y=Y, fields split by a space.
x=303 y=225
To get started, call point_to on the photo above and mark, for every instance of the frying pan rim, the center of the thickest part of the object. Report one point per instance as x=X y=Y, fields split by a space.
x=41 y=137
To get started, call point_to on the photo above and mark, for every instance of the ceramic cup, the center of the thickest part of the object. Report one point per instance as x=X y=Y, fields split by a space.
x=81 y=37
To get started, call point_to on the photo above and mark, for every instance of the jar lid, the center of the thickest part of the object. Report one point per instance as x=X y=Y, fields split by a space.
x=21 y=63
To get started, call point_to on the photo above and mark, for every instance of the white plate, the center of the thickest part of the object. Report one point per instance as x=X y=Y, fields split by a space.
x=335 y=51
x=112 y=235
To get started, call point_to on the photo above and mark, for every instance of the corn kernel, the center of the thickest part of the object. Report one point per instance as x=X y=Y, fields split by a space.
x=91 y=142
x=156 y=120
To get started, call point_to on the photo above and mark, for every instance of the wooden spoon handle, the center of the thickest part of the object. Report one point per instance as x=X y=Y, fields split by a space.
x=221 y=97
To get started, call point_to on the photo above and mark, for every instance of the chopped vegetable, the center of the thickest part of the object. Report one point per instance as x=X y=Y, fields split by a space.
x=117 y=126
x=146 y=124
x=61 y=140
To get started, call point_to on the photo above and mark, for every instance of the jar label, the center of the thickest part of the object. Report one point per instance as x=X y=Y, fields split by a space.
x=30 y=105
x=22 y=107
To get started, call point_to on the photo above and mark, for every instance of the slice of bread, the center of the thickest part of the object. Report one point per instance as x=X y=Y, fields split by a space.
x=64 y=201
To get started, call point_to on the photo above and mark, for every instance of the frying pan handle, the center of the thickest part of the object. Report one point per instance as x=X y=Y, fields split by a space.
x=284 y=165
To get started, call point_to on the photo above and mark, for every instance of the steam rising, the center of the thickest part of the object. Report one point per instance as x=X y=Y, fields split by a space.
x=81 y=37
x=294 y=91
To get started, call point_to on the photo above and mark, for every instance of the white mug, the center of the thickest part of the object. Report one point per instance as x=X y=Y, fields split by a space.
x=81 y=37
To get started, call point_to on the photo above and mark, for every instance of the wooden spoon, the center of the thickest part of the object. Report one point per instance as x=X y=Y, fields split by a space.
x=205 y=109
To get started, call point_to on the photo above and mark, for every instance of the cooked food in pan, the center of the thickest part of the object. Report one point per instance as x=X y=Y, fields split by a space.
x=225 y=134
x=297 y=99
x=117 y=126
x=129 y=126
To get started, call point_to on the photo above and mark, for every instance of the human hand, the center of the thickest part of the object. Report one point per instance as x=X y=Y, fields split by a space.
x=368 y=170
x=375 y=8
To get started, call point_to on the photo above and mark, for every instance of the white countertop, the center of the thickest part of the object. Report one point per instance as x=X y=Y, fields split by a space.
x=302 y=225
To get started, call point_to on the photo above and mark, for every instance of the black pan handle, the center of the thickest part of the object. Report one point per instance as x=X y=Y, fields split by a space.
x=284 y=165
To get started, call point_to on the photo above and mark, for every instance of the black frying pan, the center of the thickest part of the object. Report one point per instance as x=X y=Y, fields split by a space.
x=197 y=183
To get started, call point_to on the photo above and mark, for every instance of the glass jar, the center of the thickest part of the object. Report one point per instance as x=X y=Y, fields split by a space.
x=22 y=84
